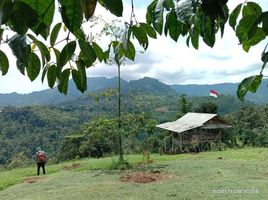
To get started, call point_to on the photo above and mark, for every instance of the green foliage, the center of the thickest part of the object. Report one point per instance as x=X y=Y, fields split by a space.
x=4 y=63
x=19 y=160
x=100 y=136
x=88 y=7
x=24 y=129
x=249 y=126
x=115 y=7
x=33 y=66
x=189 y=19
x=51 y=75
x=251 y=30
x=45 y=55
x=54 y=34
x=87 y=53
x=72 y=16
x=184 y=106
x=207 y=107
x=249 y=84
x=79 y=76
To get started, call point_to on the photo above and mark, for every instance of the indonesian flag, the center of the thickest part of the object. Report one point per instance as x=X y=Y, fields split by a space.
x=213 y=93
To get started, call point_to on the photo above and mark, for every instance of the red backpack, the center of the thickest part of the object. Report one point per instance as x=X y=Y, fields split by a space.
x=41 y=156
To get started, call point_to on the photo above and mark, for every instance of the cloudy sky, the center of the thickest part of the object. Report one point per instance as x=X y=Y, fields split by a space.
x=166 y=60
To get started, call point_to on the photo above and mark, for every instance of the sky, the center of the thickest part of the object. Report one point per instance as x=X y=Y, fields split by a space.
x=168 y=61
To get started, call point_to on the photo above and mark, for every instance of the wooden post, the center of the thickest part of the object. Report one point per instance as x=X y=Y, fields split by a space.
x=165 y=146
x=172 y=147
x=201 y=138
x=181 y=142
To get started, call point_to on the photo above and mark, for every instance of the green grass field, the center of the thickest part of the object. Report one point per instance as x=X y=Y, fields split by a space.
x=240 y=174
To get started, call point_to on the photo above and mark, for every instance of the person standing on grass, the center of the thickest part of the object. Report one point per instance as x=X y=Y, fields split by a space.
x=40 y=160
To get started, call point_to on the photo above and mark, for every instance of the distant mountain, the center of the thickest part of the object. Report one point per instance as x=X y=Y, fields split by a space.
x=150 y=86
x=260 y=97
x=53 y=97
x=145 y=85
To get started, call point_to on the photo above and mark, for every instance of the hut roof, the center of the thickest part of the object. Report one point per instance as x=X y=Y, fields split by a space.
x=194 y=120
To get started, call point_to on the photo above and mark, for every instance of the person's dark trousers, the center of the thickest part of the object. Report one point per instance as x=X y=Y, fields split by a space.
x=42 y=164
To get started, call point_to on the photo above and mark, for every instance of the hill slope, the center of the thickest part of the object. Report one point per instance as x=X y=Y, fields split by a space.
x=184 y=176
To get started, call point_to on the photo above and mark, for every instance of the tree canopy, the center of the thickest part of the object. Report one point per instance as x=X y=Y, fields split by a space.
x=38 y=48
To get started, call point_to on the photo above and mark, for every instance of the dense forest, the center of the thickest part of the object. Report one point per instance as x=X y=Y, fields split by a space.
x=86 y=126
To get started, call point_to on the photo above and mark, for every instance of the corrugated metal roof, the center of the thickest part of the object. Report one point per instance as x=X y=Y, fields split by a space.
x=187 y=122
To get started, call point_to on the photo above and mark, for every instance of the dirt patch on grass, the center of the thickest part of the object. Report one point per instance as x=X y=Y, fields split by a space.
x=33 y=179
x=265 y=174
x=71 y=167
x=145 y=177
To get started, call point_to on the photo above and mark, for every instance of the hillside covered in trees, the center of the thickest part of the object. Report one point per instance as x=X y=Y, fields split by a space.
x=68 y=129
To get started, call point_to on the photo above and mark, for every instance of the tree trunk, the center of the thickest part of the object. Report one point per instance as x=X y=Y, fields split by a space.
x=121 y=158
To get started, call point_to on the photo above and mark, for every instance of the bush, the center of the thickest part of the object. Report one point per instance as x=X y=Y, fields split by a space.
x=19 y=160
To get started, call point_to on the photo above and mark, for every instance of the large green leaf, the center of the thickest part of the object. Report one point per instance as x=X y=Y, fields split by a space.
x=208 y=32
x=44 y=73
x=6 y=11
x=54 y=34
x=87 y=53
x=21 y=21
x=33 y=67
x=59 y=67
x=173 y=26
x=64 y=80
x=234 y=15
x=4 y=64
x=115 y=6
x=72 y=15
x=248 y=84
x=1 y=33
x=244 y=26
x=117 y=50
x=168 y=4
x=44 y=9
x=195 y=38
x=265 y=22
x=129 y=50
x=254 y=39
x=19 y=48
x=42 y=48
x=251 y=8
x=141 y=36
x=150 y=15
x=67 y=53
x=148 y=30
x=88 y=7
x=158 y=16
x=79 y=76
x=1 y=10
x=21 y=67
x=99 y=52
x=51 y=75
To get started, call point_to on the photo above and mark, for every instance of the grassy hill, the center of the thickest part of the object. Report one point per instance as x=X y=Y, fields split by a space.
x=232 y=174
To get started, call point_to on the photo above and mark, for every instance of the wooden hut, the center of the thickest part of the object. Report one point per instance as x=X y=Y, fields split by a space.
x=195 y=130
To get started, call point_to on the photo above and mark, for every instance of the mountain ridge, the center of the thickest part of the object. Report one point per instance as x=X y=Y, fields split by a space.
x=145 y=85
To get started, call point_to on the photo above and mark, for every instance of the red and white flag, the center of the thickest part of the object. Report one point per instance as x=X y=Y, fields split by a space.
x=213 y=93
